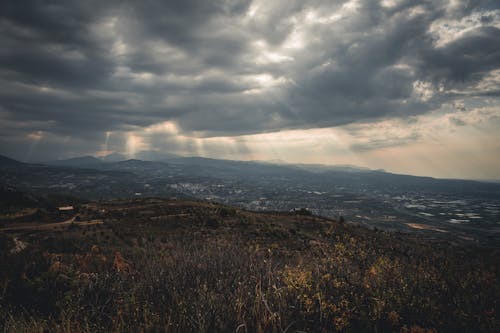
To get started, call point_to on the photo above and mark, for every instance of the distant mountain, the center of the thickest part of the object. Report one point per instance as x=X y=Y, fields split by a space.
x=203 y=166
x=149 y=155
x=211 y=164
x=79 y=177
x=134 y=165
x=83 y=161
x=7 y=161
x=325 y=168
x=114 y=157
x=347 y=176
x=93 y=177
x=144 y=155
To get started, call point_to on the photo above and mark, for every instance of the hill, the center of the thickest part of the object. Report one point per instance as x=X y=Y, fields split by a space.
x=7 y=161
x=82 y=181
x=193 y=266
x=114 y=157
x=83 y=161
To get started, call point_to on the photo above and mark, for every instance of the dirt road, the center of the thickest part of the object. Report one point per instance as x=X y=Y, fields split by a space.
x=48 y=226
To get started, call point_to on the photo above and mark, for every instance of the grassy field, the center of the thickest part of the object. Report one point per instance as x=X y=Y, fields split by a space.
x=156 y=265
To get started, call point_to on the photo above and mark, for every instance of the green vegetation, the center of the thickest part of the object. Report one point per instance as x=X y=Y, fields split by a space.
x=177 y=266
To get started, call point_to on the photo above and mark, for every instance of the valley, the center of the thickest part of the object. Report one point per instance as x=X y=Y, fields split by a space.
x=462 y=210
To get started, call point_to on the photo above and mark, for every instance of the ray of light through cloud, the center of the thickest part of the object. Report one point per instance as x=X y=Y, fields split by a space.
x=406 y=86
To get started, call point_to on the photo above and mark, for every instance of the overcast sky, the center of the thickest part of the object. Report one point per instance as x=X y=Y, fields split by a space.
x=408 y=86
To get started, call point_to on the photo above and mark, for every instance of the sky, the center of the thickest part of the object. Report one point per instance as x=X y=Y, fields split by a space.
x=407 y=86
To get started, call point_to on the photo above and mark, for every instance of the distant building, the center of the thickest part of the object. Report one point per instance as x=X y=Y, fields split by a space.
x=65 y=208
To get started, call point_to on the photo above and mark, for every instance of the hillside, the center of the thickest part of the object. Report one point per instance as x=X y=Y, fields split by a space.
x=83 y=161
x=8 y=162
x=179 y=266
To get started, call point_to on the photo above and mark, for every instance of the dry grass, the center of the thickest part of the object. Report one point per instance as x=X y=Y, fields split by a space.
x=224 y=270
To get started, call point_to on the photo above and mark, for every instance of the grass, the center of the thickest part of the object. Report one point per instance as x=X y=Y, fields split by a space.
x=208 y=268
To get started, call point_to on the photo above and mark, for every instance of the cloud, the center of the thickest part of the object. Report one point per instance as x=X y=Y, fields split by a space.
x=386 y=142
x=79 y=70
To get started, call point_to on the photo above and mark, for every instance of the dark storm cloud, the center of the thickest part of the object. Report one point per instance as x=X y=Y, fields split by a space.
x=82 y=68
x=50 y=42
x=465 y=59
